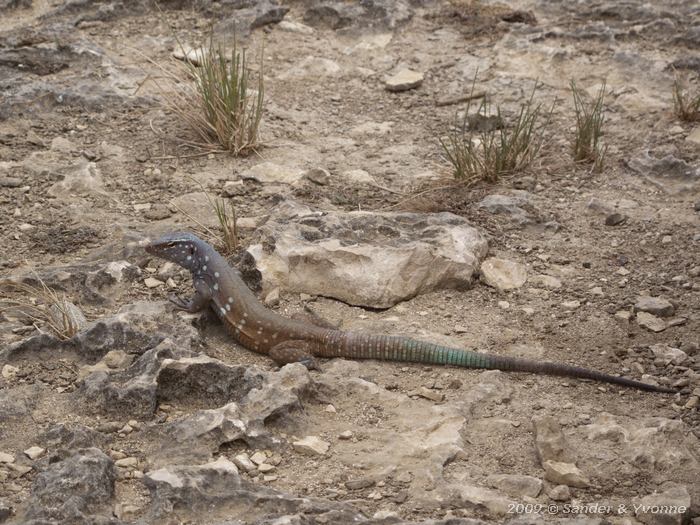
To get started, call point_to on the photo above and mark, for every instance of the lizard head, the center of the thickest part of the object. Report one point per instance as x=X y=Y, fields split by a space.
x=184 y=249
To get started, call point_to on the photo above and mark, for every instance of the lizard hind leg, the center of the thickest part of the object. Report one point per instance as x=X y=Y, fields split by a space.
x=294 y=351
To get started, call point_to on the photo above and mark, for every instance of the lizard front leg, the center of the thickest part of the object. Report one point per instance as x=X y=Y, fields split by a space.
x=198 y=302
x=294 y=351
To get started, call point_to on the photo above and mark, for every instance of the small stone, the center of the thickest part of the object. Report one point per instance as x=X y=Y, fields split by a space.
x=265 y=467
x=126 y=429
x=345 y=435
x=668 y=354
x=272 y=298
x=9 y=371
x=359 y=484
x=404 y=80
x=21 y=470
x=10 y=182
x=503 y=274
x=234 y=188
x=152 y=282
x=331 y=409
x=158 y=212
x=655 y=305
x=295 y=27
x=560 y=493
x=127 y=462
x=516 y=485
x=545 y=281
x=623 y=271
x=109 y=427
x=269 y=478
x=318 y=176
x=34 y=452
x=311 y=445
x=570 y=305
x=694 y=136
x=25 y=227
x=651 y=322
x=6 y=458
x=243 y=462
x=614 y=219
x=623 y=315
x=258 y=458
x=431 y=394
x=564 y=474
x=504 y=305
x=143 y=206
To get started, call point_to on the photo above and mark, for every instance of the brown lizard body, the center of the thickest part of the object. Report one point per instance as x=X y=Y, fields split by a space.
x=287 y=340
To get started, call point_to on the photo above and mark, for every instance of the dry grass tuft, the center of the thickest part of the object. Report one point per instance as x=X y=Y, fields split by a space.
x=586 y=145
x=44 y=307
x=686 y=105
x=217 y=96
x=495 y=150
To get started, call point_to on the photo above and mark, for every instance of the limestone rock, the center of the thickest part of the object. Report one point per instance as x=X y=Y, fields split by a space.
x=404 y=80
x=482 y=499
x=668 y=354
x=191 y=490
x=669 y=507
x=564 y=474
x=73 y=488
x=503 y=274
x=516 y=485
x=516 y=204
x=311 y=446
x=651 y=322
x=368 y=259
x=373 y=14
x=550 y=442
x=655 y=305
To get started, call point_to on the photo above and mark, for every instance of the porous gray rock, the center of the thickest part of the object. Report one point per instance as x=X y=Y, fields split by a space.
x=168 y=372
x=670 y=173
x=667 y=507
x=369 y=14
x=200 y=435
x=516 y=485
x=246 y=16
x=137 y=327
x=654 y=305
x=367 y=259
x=189 y=490
x=517 y=205
x=73 y=488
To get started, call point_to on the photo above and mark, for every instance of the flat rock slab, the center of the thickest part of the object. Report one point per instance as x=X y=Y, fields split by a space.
x=367 y=259
x=404 y=80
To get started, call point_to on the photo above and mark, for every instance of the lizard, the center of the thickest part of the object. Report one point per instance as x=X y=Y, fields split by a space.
x=255 y=327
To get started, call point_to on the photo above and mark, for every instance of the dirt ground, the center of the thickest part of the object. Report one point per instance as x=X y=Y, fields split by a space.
x=337 y=115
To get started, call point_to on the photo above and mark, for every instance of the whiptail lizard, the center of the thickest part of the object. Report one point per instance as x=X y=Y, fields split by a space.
x=286 y=340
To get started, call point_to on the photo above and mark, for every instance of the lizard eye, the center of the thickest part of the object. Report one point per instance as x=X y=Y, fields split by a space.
x=171 y=245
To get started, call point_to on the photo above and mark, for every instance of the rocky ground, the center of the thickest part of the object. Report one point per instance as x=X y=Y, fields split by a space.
x=149 y=415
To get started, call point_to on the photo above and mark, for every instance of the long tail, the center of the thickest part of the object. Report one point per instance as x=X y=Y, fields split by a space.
x=357 y=345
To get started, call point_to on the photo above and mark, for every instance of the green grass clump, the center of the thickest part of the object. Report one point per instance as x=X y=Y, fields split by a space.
x=586 y=144
x=222 y=102
x=686 y=105
x=495 y=150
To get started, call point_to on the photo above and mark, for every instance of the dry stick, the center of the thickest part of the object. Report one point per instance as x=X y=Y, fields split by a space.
x=416 y=195
x=448 y=101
